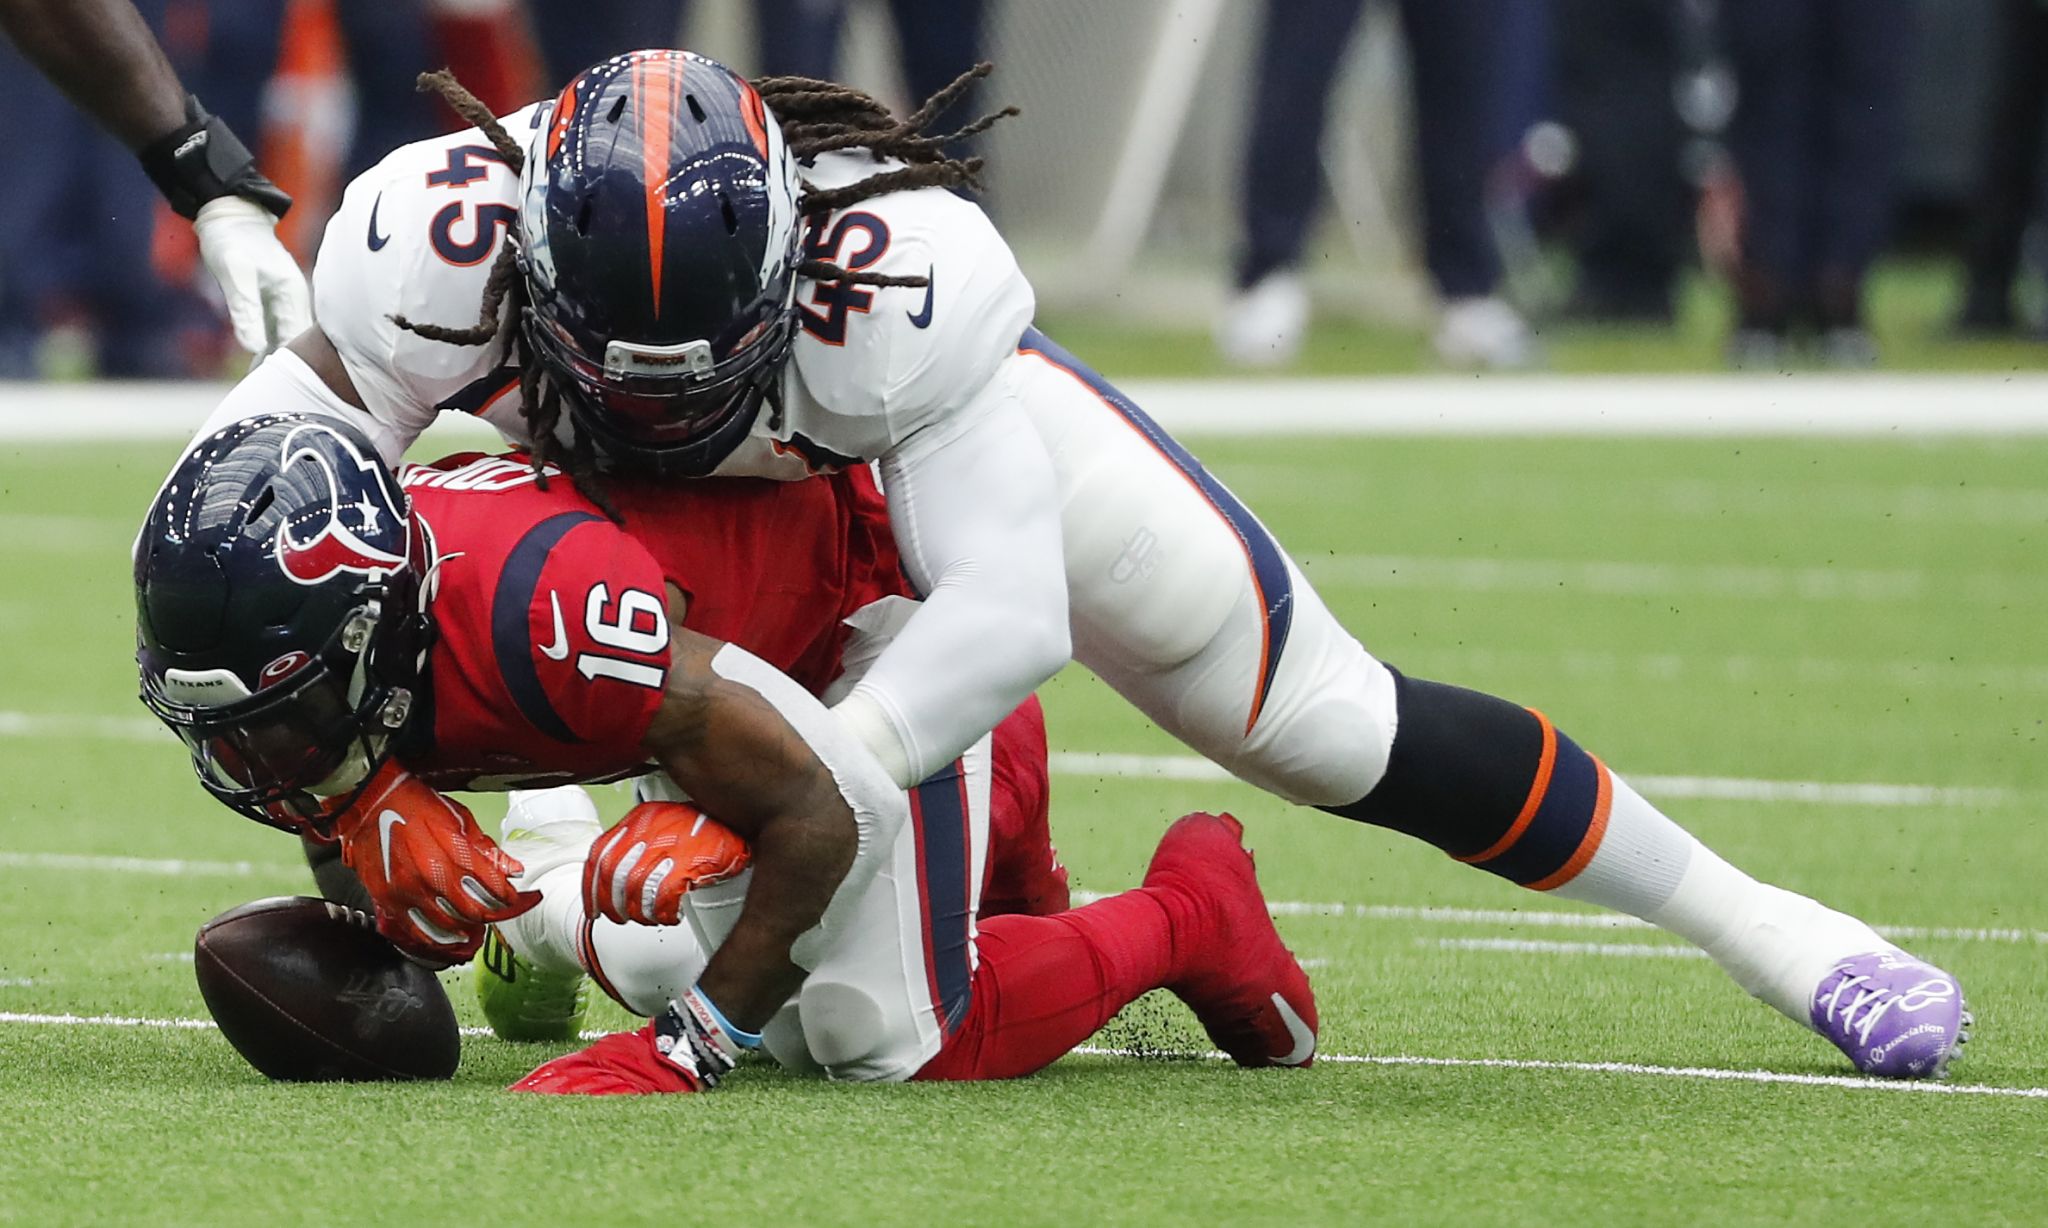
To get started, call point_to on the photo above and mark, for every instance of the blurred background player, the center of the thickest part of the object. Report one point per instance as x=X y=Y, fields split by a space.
x=385 y=44
x=1617 y=63
x=936 y=40
x=1458 y=60
x=1816 y=139
x=104 y=56
x=1928 y=118
x=2008 y=197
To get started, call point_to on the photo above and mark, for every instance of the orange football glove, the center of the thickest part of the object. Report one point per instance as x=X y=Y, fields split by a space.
x=436 y=878
x=640 y=869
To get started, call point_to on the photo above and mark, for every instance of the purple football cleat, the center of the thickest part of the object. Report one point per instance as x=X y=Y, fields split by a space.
x=1892 y=1014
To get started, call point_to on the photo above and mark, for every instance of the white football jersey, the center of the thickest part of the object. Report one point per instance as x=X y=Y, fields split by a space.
x=416 y=235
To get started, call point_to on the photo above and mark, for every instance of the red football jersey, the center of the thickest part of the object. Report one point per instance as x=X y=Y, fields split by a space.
x=553 y=630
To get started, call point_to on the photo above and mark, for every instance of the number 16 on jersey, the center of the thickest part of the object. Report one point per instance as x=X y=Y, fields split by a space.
x=636 y=624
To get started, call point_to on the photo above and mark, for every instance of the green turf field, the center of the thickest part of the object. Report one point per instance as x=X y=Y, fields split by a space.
x=1711 y=616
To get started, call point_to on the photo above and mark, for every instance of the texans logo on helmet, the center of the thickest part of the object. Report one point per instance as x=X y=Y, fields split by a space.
x=338 y=546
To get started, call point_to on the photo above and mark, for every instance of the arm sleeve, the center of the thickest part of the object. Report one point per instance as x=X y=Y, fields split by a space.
x=283 y=383
x=975 y=509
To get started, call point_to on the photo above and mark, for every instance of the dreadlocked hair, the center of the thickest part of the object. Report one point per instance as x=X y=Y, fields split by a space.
x=816 y=117
x=819 y=117
x=505 y=291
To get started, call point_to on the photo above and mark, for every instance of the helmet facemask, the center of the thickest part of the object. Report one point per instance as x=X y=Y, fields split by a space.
x=284 y=646
x=297 y=753
x=647 y=395
x=673 y=425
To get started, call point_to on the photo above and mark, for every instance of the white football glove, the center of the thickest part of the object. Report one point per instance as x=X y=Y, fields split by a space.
x=268 y=303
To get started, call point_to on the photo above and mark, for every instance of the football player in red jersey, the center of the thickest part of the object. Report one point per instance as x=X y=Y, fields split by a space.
x=331 y=650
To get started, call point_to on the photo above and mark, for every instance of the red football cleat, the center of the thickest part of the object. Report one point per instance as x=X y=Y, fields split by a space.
x=1245 y=986
x=621 y=1064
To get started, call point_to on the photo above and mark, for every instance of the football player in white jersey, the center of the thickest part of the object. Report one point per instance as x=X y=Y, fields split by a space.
x=671 y=270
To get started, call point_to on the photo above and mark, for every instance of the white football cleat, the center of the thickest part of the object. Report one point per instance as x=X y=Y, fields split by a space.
x=1264 y=326
x=1484 y=333
x=527 y=979
x=546 y=828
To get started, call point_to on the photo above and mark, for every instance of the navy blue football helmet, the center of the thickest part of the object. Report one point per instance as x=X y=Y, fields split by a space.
x=279 y=620
x=659 y=236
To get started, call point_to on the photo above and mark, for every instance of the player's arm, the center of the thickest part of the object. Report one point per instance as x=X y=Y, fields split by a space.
x=975 y=509
x=102 y=54
x=305 y=377
x=318 y=353
x=758 y=752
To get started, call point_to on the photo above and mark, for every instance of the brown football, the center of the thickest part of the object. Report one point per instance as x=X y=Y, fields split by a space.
x=308 y=991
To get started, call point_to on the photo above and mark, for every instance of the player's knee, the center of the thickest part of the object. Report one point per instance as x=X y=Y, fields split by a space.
x=844 y=1028
x=1327 y=729
x=1046 y=644
x=783 y=1038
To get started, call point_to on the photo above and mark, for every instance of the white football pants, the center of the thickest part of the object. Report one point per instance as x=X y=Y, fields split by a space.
x=1184 y=603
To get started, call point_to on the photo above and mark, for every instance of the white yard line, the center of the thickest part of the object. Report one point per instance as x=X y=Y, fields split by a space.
x=105 y=1021
x=1425 y=914
x=1191 y=767
x=65 y=725
x=1713 y=1073
x=1885 y=405
x=43 y=533
x=1718 y=1074
x=1535 y=918
x=1729 y=788
x=1523 y=946
x=173 y=866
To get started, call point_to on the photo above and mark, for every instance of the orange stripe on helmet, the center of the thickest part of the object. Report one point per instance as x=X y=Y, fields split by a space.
x=657 y=141
x=755 y=114
x=565 y=110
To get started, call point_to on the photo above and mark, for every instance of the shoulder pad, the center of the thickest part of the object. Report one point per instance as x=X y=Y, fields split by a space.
x=908 y=355
x=415 y=238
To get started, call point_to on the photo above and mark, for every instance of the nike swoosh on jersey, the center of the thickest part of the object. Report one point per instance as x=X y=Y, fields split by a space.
x=1304 y=1040
x=385 y=822
x=560 y=648
x=923 y=317
x=377 y=241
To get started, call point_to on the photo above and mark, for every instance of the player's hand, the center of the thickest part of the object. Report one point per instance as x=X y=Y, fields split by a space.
x=266 y=294
x=696 y=1039
x=436 y=878
x=640 y=869
x=688 y=1047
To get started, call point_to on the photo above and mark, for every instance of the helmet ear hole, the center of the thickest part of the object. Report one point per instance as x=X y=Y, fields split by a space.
x=696 y=108
x=583 y=217
x=732 y=218
x=262 y=503
x=618 y=109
